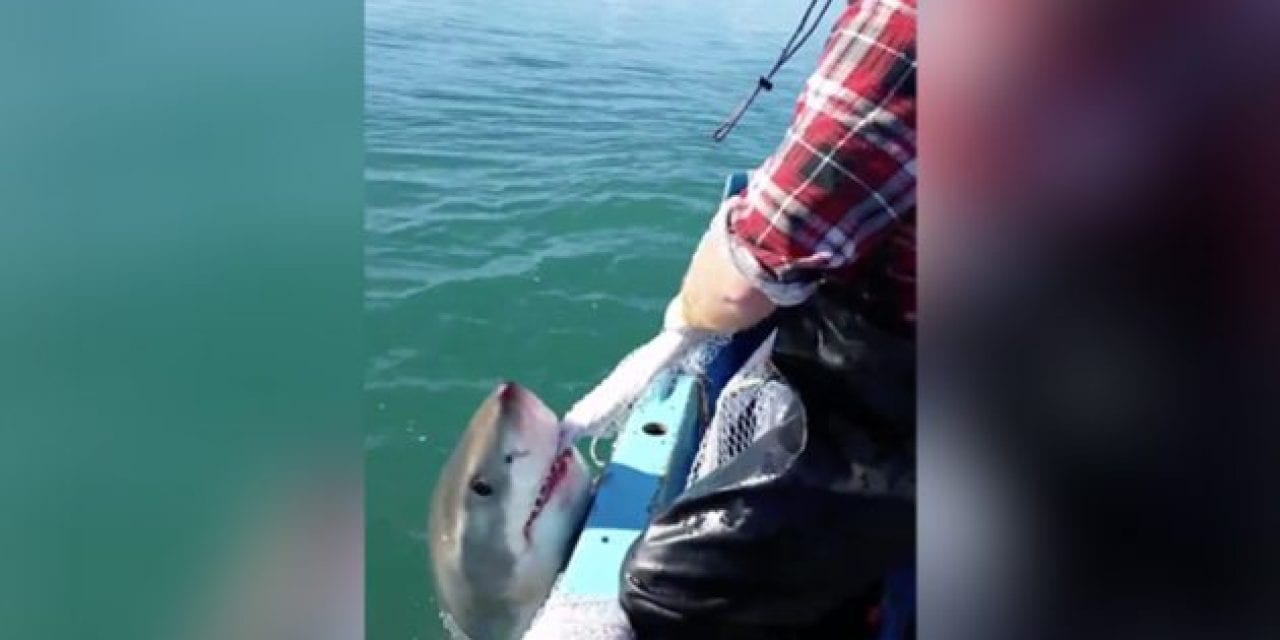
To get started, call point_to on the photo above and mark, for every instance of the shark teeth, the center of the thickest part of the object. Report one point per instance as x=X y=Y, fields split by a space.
x=557 y=471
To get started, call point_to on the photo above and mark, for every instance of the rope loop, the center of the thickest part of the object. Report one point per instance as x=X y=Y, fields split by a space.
x=765 y=82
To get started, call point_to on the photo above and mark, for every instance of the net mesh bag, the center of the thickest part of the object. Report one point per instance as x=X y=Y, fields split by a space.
x=755 y=400
x=570 y=617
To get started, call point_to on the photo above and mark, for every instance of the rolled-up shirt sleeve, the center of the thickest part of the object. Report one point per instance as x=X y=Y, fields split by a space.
x=845 y=173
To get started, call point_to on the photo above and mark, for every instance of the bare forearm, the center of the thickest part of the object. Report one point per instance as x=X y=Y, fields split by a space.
x=714 y=296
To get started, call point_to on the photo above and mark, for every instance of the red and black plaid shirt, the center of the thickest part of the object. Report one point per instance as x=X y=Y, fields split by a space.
x=841 y=187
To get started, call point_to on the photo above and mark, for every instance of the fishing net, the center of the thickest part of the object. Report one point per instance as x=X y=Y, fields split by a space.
x=569 y=617
x=753 y=401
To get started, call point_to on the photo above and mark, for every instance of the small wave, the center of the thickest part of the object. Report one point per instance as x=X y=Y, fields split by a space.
x=530 y=62
x=432 y=385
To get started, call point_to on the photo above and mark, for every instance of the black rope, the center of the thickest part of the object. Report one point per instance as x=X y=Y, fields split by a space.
x=765 y=82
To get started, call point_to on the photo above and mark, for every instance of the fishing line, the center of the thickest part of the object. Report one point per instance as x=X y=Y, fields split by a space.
x=596 y=458
x=765 y=82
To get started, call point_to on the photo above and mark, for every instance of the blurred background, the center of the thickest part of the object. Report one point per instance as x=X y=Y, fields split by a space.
x=1098 y=314
x=180 y=359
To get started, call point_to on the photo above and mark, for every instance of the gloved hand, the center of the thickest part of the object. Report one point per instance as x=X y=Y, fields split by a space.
x=601 y=409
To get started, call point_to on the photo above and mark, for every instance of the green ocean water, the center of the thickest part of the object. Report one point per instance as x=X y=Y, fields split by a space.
x=537 y=173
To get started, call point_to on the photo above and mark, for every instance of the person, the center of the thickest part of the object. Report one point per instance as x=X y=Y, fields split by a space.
x=795 y=536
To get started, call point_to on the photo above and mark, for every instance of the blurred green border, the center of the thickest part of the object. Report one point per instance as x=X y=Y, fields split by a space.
x=181 y=192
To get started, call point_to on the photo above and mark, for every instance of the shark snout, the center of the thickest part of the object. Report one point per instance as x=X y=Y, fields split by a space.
x=526 y=408
x=507 y=389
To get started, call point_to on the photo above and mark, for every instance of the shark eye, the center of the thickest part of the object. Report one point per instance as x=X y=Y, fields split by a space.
x=508 y=458
x=480 y=487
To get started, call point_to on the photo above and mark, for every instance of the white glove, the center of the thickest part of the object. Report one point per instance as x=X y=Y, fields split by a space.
x=605 y=405
x=601 y=409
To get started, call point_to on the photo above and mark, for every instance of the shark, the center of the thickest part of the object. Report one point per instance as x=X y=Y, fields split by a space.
x=504 y=514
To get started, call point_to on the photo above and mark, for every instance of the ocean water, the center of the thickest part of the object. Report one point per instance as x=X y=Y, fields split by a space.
x=537 y=173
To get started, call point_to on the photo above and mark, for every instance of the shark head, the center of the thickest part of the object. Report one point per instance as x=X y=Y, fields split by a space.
x=504 y=514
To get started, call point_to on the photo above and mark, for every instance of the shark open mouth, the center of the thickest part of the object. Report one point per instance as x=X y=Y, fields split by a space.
x=557 y=472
